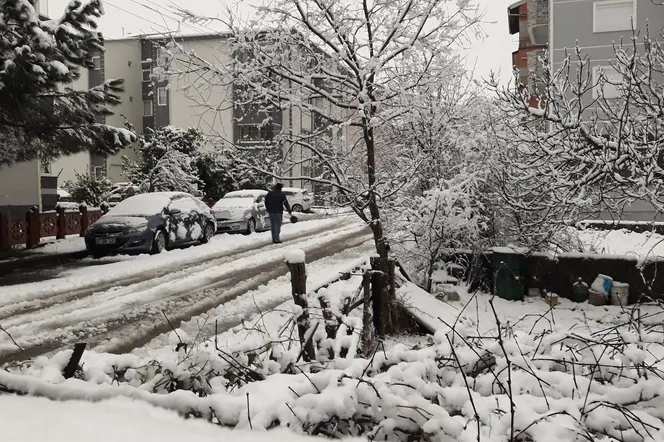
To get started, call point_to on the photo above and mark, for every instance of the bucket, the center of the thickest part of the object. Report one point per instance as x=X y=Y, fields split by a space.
x=596 y=298
x=602 y=284
x=620 y=293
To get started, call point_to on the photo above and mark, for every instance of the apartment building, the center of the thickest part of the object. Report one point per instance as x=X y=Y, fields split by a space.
x=559 y=26
x=192 y=92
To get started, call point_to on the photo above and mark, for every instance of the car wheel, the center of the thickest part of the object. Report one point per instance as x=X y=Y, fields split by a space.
x=251 y=226
x=208 y=233
x=97 y=255
x=297 y=208
x=159 y=242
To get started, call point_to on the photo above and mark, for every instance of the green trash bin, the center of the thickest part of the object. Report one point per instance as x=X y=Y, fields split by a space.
x=509 y=274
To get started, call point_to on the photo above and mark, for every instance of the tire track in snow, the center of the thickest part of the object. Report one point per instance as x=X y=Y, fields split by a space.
x=140 y=315
x=144 y=281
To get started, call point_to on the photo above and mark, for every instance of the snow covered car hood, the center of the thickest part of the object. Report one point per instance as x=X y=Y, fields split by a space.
x=118 y=224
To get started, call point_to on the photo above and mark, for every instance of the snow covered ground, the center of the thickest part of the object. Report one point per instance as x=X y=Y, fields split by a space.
x=123 y=315
x=119 y=269
x=623 y=242
x=113 y=420
x=575 y=372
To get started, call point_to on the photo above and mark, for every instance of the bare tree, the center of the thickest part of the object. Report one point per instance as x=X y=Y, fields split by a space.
x=587 y=140
x=347 y=67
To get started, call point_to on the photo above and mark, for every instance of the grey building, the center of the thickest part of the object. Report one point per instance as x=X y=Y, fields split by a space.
x=594 y=26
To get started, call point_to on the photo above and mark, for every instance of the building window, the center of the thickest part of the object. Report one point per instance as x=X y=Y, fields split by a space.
x=161 y=56
x=147 y=74
x=613 y=15
x=147 y=108
x=609 y=85
x=96 y=61
x=252 y=133
x=162 y=96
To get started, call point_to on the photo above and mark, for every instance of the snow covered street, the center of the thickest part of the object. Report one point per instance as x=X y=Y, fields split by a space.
x=126 y=304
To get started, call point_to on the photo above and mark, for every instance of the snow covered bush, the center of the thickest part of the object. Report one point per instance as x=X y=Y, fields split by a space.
x=224 y=171
x=536 y=378
x=167 y=161
x=447 y=216
x=88 y=189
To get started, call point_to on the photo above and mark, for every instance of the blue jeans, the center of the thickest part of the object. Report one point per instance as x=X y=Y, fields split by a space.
x=276 y=220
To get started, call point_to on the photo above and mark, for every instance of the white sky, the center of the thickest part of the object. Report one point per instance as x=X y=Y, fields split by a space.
x=127 y=17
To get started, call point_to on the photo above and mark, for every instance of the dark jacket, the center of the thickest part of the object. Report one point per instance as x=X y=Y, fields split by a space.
x=275 y=200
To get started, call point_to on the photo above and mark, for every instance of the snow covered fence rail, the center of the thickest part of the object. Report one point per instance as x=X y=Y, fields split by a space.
x=58 y=223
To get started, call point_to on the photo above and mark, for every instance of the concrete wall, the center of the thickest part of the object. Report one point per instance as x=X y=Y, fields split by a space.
x=203 y=99
x=123 y=60
x=19 y=188
x=572 y=21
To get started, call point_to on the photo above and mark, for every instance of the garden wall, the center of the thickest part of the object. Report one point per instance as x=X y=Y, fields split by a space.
x=557 y=274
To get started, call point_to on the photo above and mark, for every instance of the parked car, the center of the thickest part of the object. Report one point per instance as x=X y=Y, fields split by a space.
x=299 y=199
x=242 y=211
x=151 y=223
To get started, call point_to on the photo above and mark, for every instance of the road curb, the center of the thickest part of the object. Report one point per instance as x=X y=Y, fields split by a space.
x=10 y=266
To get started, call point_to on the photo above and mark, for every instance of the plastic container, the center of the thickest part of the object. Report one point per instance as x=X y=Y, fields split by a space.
x=619 y=293
x=508 y=269
x=602 y=284
x=579 y=291
x=597 y=298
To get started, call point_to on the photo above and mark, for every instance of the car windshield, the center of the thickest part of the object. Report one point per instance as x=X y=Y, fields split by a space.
x=141 y=205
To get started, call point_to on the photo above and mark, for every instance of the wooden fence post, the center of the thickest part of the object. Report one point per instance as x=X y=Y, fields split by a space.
x=33 y=228
x=70 y=370
x=83 y=209
x=295 y=262
x=61 y=232
x=4 y=233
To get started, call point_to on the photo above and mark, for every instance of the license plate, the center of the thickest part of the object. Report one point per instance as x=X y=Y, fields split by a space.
x=105 y=241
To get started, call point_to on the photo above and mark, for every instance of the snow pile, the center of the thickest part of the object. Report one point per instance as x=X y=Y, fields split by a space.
x=623 y=242
x=112 y=420
x=294 y=256
x=537 y=377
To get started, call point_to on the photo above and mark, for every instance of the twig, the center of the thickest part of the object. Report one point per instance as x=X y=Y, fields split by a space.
x=249 y=413
x=11 y=337
x=470 y=393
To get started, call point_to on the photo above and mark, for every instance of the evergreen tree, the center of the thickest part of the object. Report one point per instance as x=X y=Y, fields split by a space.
x=40 y=114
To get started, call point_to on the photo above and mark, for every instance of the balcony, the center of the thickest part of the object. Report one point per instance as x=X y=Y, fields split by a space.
x=538 y=22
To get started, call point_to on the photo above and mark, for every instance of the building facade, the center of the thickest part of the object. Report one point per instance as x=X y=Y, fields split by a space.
x=194 y=92
x=592 y=26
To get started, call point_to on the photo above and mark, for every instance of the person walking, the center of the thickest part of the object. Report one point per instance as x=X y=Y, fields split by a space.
x=275 y=201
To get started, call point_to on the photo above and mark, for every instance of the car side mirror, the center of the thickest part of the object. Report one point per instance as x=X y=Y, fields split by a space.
x=174 y=211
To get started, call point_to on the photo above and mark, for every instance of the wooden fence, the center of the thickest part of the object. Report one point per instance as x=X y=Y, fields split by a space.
x=57 y=223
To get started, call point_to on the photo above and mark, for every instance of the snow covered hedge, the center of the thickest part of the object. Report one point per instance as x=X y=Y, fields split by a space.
x=541 y=382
